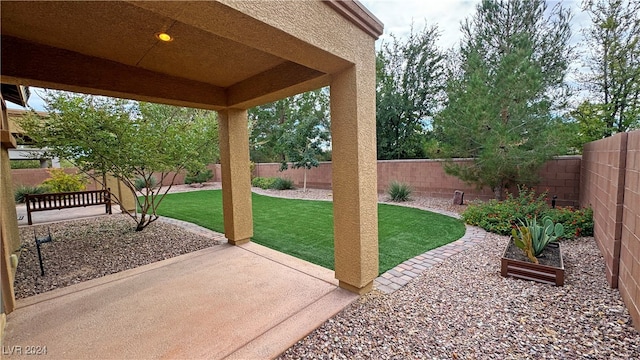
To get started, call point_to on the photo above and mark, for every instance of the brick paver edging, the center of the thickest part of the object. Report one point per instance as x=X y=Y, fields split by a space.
x=400 y=275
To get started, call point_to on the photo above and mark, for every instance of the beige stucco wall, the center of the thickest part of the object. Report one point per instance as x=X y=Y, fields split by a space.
x=9 y=235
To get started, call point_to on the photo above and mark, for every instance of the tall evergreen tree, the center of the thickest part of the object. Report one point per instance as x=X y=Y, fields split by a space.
x=501 y=100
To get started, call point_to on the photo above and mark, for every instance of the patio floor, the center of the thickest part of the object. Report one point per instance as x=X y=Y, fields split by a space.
x=236 y=302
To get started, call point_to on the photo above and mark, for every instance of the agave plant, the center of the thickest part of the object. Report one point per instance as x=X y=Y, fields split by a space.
x=533 y=238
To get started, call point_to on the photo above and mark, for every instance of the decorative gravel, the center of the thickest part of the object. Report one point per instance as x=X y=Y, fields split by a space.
x=90 y=248
x=463 y=309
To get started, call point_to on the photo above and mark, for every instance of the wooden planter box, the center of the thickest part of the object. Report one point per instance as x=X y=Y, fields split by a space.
x=524 y=269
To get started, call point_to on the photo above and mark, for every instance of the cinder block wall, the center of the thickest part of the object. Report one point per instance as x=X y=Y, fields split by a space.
x=610 y=184
x=34 y=177
x=560 y=176
x=602 y=188
x=629 y=280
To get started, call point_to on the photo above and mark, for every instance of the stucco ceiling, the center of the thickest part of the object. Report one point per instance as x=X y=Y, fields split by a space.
x=110 y=48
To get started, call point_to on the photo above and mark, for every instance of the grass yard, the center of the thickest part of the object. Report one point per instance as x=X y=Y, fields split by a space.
x=304 y=228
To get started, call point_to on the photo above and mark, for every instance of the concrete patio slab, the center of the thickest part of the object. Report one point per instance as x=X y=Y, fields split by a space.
x=240 y=302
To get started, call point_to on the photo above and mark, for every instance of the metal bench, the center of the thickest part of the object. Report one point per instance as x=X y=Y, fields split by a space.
x=67 y=200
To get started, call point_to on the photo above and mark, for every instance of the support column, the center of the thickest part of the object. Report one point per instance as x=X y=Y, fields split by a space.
x=236 y=177
x=354 y=165
x=9 y=235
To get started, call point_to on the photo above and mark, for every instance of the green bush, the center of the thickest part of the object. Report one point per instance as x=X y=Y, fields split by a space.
x=501 y=216
x=23 y=190
x=25 y=164
x=576 y=222
x=60 y=181
x=399 y=191
x=263 y=182
x=198 y=177
x=282 y=184
x=140 y=183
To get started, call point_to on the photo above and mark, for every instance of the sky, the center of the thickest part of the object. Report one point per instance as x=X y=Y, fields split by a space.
x=398 y=16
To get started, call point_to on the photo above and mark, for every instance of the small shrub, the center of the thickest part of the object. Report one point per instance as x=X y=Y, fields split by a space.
x=60 y=181
x=198 y=177
x=25 y=164
x=23 y=190
x=263 y=182
x=140 y=183
x=576 y=222
x=501 y=216
x=399 y=191
x=282 y=184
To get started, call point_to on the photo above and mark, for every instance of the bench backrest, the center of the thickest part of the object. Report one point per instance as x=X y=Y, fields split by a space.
x=67 y=200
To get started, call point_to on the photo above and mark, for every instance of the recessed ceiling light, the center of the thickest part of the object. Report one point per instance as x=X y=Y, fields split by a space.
x=164 y=37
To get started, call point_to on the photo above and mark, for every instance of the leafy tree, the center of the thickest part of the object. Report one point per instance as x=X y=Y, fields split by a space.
x=613 y=40
x=307 y=134
x=585 y=124
x=266 y=124
x=128 y=140
x=293 y=130
x=513 y=60
x=410 y=83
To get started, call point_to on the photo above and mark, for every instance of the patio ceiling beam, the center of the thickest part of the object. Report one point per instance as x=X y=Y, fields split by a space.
x=32 y=64
x=286 y=79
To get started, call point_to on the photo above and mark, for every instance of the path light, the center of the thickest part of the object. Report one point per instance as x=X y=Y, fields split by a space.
x=162 y=36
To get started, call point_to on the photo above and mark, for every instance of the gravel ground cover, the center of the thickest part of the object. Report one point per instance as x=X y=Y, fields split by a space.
x=90 y=248
x=463 y=309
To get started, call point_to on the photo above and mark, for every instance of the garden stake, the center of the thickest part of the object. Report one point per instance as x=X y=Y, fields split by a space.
x=40 y=241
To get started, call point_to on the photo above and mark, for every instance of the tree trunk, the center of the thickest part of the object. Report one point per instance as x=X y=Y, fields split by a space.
x=498 y=192
x=304 y=187
x=141 y=222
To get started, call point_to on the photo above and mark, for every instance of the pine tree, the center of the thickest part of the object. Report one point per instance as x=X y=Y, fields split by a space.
x=503 y=95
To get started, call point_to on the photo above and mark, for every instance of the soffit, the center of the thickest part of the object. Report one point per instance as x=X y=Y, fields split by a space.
x=220 y=57
x=124 y=33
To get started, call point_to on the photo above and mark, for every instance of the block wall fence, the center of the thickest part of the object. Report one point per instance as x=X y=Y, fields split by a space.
x=610 y=184
x=560 y=176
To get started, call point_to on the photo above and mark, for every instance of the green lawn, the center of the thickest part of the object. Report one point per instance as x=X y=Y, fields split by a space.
x=304 y=228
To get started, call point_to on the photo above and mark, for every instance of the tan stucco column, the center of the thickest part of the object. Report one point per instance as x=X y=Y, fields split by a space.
x=9 y=235
x=355 y=197
x=236 y=179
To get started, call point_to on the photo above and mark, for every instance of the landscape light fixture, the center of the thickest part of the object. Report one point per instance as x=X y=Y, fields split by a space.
x=162 y=36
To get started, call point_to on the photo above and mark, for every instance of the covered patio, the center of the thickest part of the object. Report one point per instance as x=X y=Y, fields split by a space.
x=226 y=56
